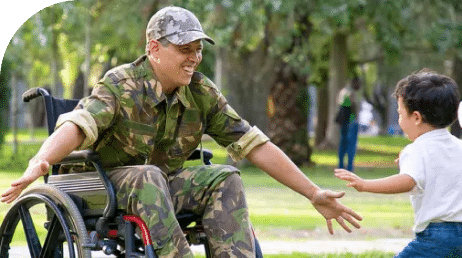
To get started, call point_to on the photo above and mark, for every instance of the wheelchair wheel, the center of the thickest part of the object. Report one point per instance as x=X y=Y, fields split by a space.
x=258 y=252
x=51 y=226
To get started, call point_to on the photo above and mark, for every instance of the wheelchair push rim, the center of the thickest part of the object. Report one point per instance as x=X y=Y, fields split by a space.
x=62 y=235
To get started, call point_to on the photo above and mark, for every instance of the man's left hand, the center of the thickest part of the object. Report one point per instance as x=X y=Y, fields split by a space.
x=326 y=203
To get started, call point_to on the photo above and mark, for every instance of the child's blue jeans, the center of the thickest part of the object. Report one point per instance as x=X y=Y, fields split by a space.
x=347 y=145
x=437 y=240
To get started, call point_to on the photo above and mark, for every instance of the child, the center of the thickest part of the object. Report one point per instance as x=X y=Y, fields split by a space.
x=430 y=168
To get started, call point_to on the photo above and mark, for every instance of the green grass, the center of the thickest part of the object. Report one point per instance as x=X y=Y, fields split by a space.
x=373 y=254
x=279 y=213
x=27 y=147
x=372 y=151
x=24 y=135
x=384 y=215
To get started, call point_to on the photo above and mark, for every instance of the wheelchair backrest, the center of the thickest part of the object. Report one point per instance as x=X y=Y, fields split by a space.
x=54 y=107
x=88 y=192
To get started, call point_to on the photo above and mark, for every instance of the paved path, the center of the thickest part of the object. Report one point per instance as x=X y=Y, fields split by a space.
x=311 y=246
x=336 y=246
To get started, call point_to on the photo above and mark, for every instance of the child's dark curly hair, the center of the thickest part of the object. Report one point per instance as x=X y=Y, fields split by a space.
x=435 y=96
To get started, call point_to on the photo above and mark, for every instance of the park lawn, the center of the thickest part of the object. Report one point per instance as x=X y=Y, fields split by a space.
x=295 y=218
x=372 y=151
x=279 y=213
x=24 y=135
x=372 y=254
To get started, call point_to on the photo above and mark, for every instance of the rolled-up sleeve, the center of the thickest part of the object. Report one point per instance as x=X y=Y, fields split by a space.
x=239 y=149
x=93 y=114
x=85 y=121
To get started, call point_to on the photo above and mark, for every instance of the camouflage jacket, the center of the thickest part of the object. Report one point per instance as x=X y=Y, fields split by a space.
x=128 y=120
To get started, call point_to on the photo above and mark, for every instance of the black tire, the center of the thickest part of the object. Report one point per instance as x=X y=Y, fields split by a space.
x=64 y=234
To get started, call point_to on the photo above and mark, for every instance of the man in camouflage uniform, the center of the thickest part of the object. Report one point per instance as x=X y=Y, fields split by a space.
x=145 y=119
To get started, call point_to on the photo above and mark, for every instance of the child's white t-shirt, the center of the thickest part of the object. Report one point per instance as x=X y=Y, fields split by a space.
x=434 y=161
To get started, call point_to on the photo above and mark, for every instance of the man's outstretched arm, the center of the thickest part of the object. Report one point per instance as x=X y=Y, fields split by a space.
x=269 y=158
x=56 y=147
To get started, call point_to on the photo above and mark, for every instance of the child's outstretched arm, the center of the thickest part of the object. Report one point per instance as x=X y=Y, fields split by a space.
x=388 y=185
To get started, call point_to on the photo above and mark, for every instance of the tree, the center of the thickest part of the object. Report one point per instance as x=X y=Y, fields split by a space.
x=5 y=77
x=264 y=62
x=341 y=22
x=445 y=36
x=268 y=50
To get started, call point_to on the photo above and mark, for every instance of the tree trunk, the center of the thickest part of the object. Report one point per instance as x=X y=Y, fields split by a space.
x=337 y=80
x=14 y=106
x=79 y=86
x=255 y=78
x=248 y=87
x=56 y=85
x=247 y=90
x=323 y=108
x=87 y=66
x=219 y=66
x=287 y=110
x=380 y=100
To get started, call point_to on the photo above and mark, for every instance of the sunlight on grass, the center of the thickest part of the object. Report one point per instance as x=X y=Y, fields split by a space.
x=24 y=135
x=322 y=159
x=295 y=212
x=381 y=148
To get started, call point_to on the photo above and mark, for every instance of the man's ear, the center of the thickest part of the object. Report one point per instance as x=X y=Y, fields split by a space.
x=152 y=46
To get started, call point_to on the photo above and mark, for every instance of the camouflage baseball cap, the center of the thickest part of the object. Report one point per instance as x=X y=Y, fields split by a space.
x=176 y=24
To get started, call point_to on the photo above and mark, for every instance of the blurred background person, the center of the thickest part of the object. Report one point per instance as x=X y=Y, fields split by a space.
x=347 y=118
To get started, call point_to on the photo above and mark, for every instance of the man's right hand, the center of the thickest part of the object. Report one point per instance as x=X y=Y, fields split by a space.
x=36 y=169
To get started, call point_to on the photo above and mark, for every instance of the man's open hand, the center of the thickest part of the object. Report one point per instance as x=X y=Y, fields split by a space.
x=326 y=203
x=36 y=169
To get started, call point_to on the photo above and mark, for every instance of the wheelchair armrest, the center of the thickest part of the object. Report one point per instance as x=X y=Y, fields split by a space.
x=93 y=157
x=34 y=93
x=80 y=156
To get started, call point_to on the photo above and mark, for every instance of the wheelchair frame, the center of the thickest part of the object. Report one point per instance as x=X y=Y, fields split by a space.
x=82 y=208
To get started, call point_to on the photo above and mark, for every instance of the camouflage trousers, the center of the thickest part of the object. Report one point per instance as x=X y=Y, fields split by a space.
x=214 y=192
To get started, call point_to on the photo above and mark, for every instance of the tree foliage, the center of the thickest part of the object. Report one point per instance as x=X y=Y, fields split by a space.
x=257 y=41
x=4 y=97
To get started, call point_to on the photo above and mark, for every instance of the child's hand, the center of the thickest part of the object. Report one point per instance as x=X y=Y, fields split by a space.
x=354 y=180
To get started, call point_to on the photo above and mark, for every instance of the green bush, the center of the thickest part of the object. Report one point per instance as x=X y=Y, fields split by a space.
x=19 y=162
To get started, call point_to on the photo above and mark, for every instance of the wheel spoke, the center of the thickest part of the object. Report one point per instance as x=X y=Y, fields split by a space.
x=52 y=242
x=33 y=241
x=8 y=228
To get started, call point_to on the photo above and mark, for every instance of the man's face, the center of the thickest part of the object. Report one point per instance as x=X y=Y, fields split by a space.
x=176 y=64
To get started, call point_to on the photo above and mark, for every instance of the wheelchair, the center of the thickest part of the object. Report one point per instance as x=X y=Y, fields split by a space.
x=73 y=215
